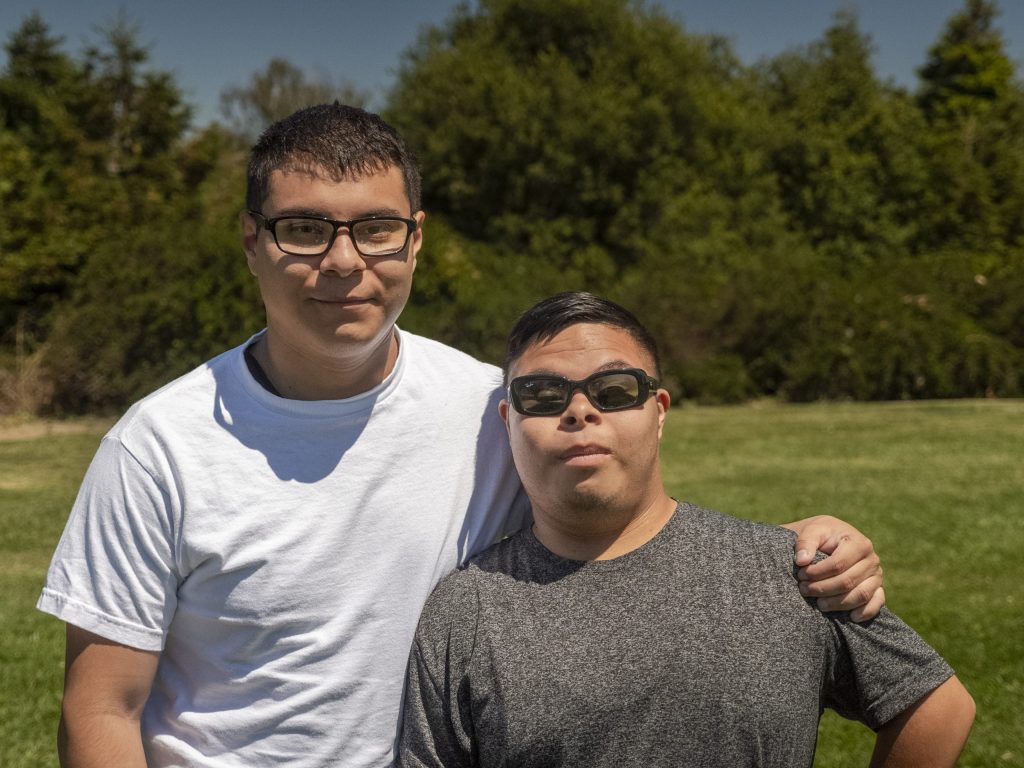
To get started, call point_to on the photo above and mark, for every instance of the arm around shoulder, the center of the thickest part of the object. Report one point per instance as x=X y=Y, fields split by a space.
x=850 y=578
x=930 y=733
x=106 y=685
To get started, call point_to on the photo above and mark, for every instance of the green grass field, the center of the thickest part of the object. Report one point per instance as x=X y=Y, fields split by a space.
x=936 y=485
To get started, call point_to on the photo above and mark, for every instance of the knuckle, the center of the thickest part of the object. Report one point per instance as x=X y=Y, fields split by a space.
x=861 y=596
x=812 y=589
x=837 y=564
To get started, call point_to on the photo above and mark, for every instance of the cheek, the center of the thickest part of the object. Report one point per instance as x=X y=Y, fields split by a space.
x=525 y=446
x=397 y=276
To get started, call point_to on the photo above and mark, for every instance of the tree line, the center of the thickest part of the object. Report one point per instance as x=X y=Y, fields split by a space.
x=798 y=227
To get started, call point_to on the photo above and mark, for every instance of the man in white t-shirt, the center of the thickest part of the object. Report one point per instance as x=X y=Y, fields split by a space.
x=243 y=569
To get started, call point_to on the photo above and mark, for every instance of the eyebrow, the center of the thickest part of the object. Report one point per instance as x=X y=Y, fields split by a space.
x=319 y=214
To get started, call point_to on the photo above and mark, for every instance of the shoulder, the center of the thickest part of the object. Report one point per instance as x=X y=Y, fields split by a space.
x=427 y=353
x=458 y=596
x=447 y=625
x=739 y=554
x=191 y=394
x=734 y=534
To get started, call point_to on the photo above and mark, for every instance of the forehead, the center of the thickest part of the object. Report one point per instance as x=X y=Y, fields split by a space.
x=582 y=349
x=316 y=189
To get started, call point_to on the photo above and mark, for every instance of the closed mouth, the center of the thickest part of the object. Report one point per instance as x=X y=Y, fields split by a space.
x=343 y=300
x=584 y=450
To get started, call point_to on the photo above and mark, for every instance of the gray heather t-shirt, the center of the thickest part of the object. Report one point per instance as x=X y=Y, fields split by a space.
x=694 y=650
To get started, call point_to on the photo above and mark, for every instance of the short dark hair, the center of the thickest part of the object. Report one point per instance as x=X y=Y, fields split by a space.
x=549 y=317
x=345 y=141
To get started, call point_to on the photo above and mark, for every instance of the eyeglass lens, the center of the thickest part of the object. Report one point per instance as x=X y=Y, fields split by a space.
x=312 y=237
x=608 y=392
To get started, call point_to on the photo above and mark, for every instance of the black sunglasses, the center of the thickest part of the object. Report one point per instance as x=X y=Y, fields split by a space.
x=547 y=395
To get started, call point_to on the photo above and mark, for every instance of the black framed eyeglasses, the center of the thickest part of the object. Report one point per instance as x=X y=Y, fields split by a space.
x=613 y=390
x=314 y=235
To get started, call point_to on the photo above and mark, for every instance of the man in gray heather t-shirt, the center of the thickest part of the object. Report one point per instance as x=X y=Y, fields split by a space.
x=620 y=630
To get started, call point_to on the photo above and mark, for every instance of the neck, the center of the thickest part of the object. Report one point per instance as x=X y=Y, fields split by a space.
x=298 y=375
x=602 y=534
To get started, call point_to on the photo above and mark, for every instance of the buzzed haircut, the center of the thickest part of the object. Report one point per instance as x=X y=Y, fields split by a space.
x=549 y=317
x=345 y=142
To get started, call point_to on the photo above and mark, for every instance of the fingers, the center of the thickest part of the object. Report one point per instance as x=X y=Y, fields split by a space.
x=858 y=596
x=845 y=553
x=870 y=609
x=850 y=578
x=845 y=580
x=824 y=533
x=812 y=534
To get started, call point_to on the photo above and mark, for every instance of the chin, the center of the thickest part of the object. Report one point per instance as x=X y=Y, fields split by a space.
x=584 y=499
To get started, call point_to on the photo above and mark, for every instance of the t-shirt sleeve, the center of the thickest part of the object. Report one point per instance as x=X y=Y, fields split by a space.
x=437 y=728
x=880 y=668
x=113 y=571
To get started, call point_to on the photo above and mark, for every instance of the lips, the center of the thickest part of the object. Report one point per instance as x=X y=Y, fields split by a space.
x=584 y=450
x=342 y=300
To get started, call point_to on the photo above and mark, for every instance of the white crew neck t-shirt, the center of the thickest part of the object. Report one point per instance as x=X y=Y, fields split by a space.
x=278 y=552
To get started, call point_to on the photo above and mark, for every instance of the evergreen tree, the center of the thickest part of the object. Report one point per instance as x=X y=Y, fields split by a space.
x=975 y=142
x=967 y=71
x=846 y=150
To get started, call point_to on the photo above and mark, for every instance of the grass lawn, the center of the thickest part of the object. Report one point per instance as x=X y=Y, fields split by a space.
x=936 y=485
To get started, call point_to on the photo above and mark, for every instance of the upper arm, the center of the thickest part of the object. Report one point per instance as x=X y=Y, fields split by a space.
x=105 y=677
x=932 y=732
x=116 y=568
x=880 y=669
x=436 y=724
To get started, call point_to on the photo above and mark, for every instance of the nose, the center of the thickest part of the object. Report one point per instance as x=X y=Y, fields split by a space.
x=580 y=411
x=342 y=258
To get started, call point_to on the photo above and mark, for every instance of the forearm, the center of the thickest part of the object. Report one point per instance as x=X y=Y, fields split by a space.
x=100 y=740
x=932 y=732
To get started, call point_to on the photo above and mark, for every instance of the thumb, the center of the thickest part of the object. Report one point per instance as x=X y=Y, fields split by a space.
x=806 y=547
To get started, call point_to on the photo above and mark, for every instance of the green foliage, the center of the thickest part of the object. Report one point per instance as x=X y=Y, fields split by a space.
x=589 y=145
x=796 y=228
x=890 y=338
x=845 y=150
x=121 y=265
x=967 y=69
x=768 y=224
x=148 y=307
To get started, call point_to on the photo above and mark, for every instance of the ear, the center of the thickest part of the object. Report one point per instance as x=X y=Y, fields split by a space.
x=503 y=410
x=416 y=241
x=664 y=400
x=250 y=234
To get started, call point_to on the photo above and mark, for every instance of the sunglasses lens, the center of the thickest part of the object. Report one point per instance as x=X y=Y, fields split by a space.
x=549 y=395
x=541 y=397
x=614 y=391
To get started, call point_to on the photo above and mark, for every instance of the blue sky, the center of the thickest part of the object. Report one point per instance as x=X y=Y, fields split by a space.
x=212 y=44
